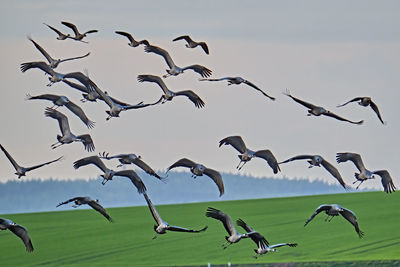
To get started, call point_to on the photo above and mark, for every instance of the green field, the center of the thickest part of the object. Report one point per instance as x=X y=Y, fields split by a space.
x=84 y=237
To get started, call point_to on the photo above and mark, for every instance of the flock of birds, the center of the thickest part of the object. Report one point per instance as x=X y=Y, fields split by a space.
x=92 y=92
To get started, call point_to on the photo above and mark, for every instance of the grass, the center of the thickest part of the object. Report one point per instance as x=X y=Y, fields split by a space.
x=84 y=237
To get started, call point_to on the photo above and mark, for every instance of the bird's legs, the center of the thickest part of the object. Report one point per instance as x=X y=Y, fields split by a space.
x=120 y=165
x=359 y=183
x=326 y=219
x=240 y=167
x=166 y=75
x=227 y=244
x=154 y=237
x=55 y=145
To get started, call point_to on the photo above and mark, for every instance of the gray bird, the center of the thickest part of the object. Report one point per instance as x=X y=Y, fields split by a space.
x=317 y=160
x=174 y=69
x=95 y=160
x=198 y=170
x=53 y=62
x=67 y=136
x=234 y=236
x=21 y=171
x=131 y=159
x=87 y=200
x=61 y=36
x=192 y=44
x=262 y=244
x=239 y=80
x=168 y=94
x=386 y=179
x=132 y=41
x=318 y=111
x=366 y=101
x=334 y=210
x=18 y=230
x=356 y=159
x=162 y=226
x=59 y=100
x=78 y=36
x=247 y=154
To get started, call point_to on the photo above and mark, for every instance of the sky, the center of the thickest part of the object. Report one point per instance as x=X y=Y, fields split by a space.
x=323 y=52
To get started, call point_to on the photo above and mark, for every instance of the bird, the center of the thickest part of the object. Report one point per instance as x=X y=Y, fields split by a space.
x=192 y=44
x=54 y=62
x=317 y=111
x=19 y=231
x=95 y=160
x=334 y=210
x=131 y=159
x=59 y=100
x=78 y=36
x=174 y=69
x=198 y=170
x=162 y=226
x=247 y=154
x=21 y=171
x=366 y=101
x=263 y=245
x=132 y=41
x=92 y=203
x=386 y=179
x=239 y=80
x=234 y=236
x=317 y=160
x=356 y=159
x=168 y=94
x=67 y=136
x=61 y=36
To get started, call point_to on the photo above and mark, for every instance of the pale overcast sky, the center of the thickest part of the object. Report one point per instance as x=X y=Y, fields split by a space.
x=325 y=52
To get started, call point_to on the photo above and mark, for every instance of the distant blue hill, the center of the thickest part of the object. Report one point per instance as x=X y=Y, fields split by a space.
x=21 y=196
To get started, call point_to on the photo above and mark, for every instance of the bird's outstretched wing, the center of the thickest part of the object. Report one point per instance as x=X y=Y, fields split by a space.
x=333 y=115
x=224 y=218
x=258 y=89
x=40 y=165
x=44 y=53
x=181 y=229
x=203 y=71
x=68 y=201
x=197 y=101
x=235 y=141
x=351 y=217
x=54 y=29
x=87 y=142
x=38 y=64
x=77 y=86
x=127 y=35
x=13 y=162
x=154 y=79
x=153 y=210
x=376 y=110
x=61 y=118
x=258 y=238
x=141 y=164
x=284 y=244
x=386 y=179
x=183 y=37
x=135 y=179
x=318 y=210
x=183 y=163
x=216 y=80
x=96 y=206
x=352 y=100
x=49 y=97
x=82 y=78
x=22 y=233
x=80 y=113
x=335 y=173
x=270 y=158
x=217 y=178
x=72 y=26
x=73 y=58
x=301 y=102
x=205 y=47
x=297 y=158
x=95 y=160
x=159 y=51
x=355 y=158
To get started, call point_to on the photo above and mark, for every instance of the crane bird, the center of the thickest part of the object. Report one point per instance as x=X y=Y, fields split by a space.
x=239 y=80
x=21 y=171
x=87 y=200
x=356 y=159
x=78 y=36
x=334 y=210
x=132 y=41
x=263 y=245
x=174 y=69
x=317 y=111
x=61 y=36
x=168 y=94
x=59 y=100
x=162 y=226
x=234 y=236
x=54 y=62
x=366 y=101
x=317 y=160
x=67 y=136
x=131 y=159
x=192 y=44
x=18 y=230
x=247 y=154
x=198 y=170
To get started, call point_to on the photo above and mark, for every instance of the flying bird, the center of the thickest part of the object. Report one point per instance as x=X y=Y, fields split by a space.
x=87 y=200
x=131 y=159
x=21 y=171
x=334 y=210
x=199 y=170
x=366 y=101
x=239 y=80
x=263 y=245
x=132 y=41
x=356 y=159
x=78 y=36
x=317 y=111
x=61 y=36
x=18 y=230
x=234 y=236
x=386 y=179
x=174 y=69
x=67 y=136
x=192 y=44
x=53 y=62
x=59 y=100
x=317 y=160
x=247 y=154
x=168 y=94
x=95 y=160
x=162 y=226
